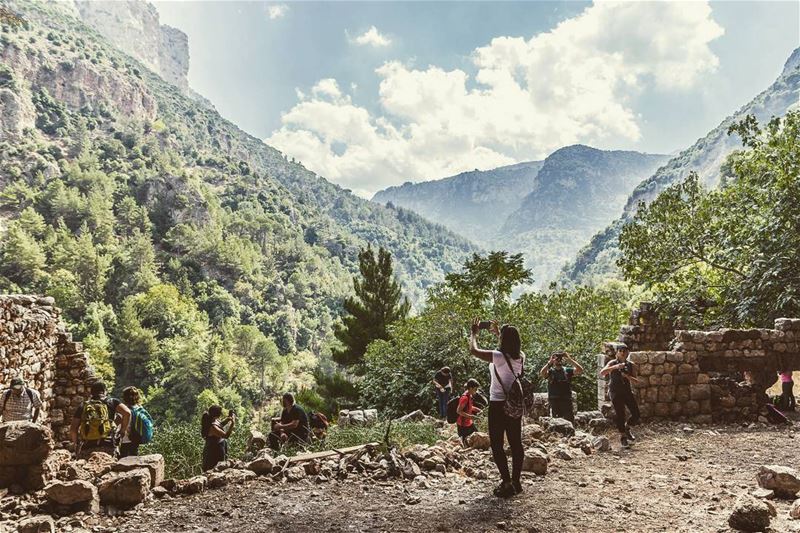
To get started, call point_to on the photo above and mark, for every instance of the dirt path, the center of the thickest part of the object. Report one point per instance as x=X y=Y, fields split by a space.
x=671 y=481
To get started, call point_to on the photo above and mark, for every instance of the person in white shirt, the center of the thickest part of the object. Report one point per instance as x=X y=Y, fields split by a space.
x=504 y=365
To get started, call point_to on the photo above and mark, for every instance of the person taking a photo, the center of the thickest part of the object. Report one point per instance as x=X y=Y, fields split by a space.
x=559 y=384
x=621 y=373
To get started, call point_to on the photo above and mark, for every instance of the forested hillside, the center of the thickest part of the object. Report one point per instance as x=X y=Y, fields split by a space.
x=597 y=261
x=543 y=209
x=202 y=259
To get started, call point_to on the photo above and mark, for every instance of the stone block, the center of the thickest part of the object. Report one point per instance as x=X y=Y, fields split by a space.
x=535 y=461
x=681 y=393
x=666 y=393
x=24 y=443
x=36 y=524
x=125 y=489
x=651 y=394
x=661 y=409
x=76 y=494
x=691 y=408
x=657 y=358
x=685 y=379
x=638 y=357
x=703 y=378
x=675 y=357
x=667 y=379
x=154 y=463
x=700 y=392
x=670 y=368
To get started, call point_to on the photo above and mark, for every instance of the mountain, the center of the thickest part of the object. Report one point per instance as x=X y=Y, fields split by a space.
x=597 y=260
x=544 y=209
x=461 y=203
x=160 y=227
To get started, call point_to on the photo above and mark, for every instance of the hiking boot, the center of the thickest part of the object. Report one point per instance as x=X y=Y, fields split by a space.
x=517 y=486
x=624 y=441
x=629 y=435
x=504 y=490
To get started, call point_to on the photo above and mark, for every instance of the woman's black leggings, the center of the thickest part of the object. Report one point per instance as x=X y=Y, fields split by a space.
x=788 y=394
x=501 y=425
x=620 y=401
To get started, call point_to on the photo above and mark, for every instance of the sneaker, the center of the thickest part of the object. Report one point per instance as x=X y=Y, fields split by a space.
x=629 y=435
x=517 y=486
x=624 y=441
x=504 y=490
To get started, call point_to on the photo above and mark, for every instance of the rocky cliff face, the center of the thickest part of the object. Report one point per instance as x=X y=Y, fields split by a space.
x=134 y=27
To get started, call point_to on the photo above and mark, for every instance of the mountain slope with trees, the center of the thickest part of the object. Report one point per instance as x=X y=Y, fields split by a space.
x=192 y=259
x=706 y=157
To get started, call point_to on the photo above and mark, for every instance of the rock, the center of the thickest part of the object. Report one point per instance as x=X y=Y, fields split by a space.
x=37 y=524
x=414 y=416
x=601 y=443
x=125 y=489
x=794 y=510
x=239 y=475
x=154 y=463
x=563 y=454
x=263 y=464
x=479 y=441
x=583 y=418
x=531 y=432
x=192 y=485
x=99 y=463
x=560 y=426
x=749 y=514
x=785 y=481
x=24 y=443
x=256 y=441
x=599 y=424
x=535 y=461
x=216 y=480
x=370 y=416
x=763 y=494
x=79 y=494
x=159 y=492
x=295 y=473
x=312 y=468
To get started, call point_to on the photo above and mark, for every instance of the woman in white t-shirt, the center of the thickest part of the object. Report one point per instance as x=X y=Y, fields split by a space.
x=504 y=364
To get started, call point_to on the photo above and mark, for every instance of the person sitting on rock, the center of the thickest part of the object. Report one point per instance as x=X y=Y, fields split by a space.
x=559 y=384
x=620 y=373
x=443 y=384
x=291 y=426
x=93 y=423
x=20 y=403
x=465 y=423
x=214 y=431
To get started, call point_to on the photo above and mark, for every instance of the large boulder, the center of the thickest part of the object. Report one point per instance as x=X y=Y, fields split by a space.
x=479 y=441
x=785 y=481
x=125 y=489
x=370 y=416
x=263 y=464
x=750 y=514
x=192 y=485
x=535 y=461
x=256 y=441
x=154 y=463
x=78 y=495
x=37 y=524
x=531 y=432
x=560 y=426
x=24 y=443
x=99 y=463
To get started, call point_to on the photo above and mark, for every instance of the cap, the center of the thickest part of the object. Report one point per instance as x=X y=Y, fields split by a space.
x=17 y=383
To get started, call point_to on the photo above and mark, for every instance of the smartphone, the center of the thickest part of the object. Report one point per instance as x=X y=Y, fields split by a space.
x=484 y=324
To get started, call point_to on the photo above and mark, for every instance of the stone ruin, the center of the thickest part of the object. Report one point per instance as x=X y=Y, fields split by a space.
x=35 y=346
x=703 y=376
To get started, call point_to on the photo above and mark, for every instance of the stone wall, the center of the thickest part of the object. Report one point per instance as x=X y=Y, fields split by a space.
x=35 y=346
x=704 y=376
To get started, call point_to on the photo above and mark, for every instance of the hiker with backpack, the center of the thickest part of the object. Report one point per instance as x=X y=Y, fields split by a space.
x=93 y=423
x=216 y=433
x=141 y=428
x=621 y=373
x=466 y=411
x=559 y=384
x=443 y=385
x=510 y=397
x=318 y=423
x=20 y=403
x=292 y=426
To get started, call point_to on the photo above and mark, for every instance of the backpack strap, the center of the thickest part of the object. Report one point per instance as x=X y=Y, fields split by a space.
x=6 y=396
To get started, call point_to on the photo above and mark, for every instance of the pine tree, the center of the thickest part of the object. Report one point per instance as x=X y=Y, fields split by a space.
x=378 y=302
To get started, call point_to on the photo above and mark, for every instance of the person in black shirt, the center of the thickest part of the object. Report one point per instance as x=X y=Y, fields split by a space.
x=443 y=381
x=620 y=373
x=559 y=384
x=292 y=426
x=84 y=423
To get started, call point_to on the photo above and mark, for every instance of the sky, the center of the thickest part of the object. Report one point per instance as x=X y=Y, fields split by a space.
x=373 y=94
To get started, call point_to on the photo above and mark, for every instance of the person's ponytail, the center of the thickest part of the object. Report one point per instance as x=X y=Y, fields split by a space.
x=205 y=424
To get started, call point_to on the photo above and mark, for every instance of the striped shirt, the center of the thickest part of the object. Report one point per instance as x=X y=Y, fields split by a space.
x=16 y=408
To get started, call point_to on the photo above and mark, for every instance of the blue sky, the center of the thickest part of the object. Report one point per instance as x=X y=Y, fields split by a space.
x=370 y=94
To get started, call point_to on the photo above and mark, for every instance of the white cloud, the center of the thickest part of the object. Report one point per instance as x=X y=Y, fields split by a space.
x=371 y=37
x=526 y=98
x=276 y=11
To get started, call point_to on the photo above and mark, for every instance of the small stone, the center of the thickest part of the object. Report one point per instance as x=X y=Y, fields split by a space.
x=794 y=510
x=535 y=461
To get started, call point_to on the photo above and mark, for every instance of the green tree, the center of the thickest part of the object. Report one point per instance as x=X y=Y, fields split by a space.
x=489 y=280
x=378 y=302
x=727 y=256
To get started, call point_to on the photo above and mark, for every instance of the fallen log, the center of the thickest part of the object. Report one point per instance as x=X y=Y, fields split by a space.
x=330 y=453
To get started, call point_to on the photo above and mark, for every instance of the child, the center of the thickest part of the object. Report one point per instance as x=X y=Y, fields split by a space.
x=466 y=412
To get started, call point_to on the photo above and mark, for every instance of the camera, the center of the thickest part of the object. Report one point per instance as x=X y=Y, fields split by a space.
x=484 y=324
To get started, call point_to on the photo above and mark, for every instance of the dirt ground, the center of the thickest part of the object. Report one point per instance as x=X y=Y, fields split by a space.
x=671 y=480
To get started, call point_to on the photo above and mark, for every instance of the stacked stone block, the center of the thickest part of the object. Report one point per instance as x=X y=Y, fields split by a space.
x=646 y=331
x=35 y=346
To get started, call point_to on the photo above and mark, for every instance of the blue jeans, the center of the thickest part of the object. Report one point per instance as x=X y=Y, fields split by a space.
x=443 y=398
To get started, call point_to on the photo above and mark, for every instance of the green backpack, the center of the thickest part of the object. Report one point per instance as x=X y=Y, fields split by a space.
x=95 y=422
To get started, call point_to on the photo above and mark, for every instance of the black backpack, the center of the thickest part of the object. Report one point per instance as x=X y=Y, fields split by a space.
x=452 y=410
